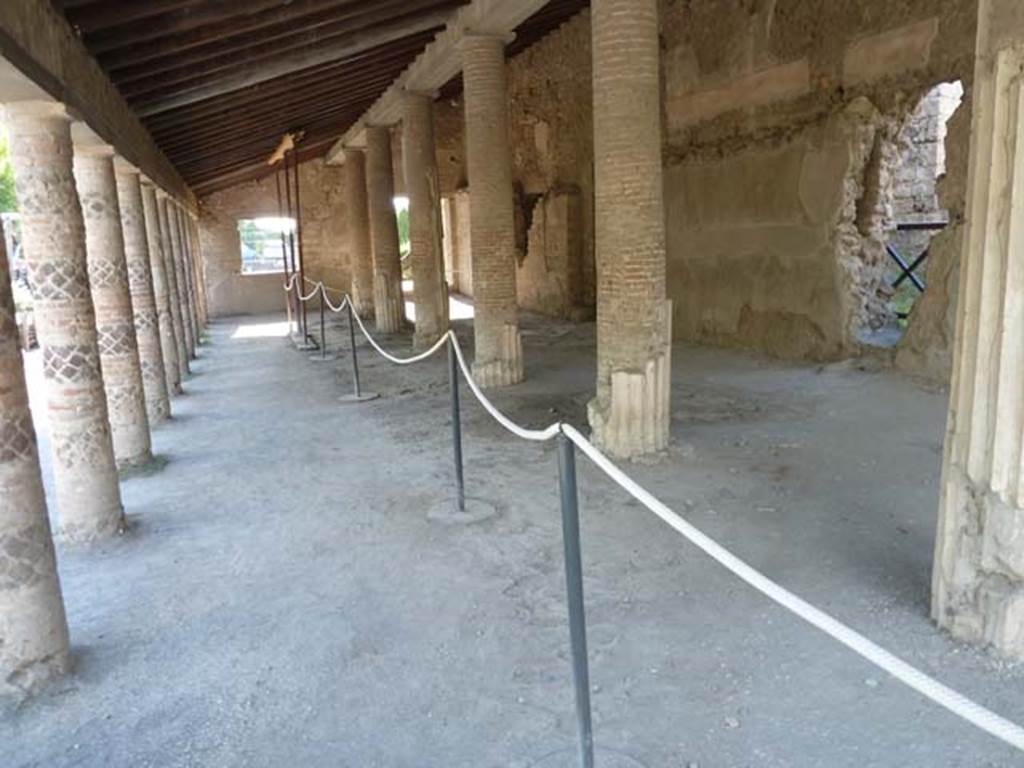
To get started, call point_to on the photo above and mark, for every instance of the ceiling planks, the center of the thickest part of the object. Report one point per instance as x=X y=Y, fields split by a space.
x=217 y=82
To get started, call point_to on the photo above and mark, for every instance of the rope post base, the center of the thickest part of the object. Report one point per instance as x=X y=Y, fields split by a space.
x=605 y=758
x=574 y=596
x=464 y=511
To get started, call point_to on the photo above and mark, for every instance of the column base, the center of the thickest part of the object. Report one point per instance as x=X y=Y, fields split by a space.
x=507 y=369
x=388 y=307
x=978 y=593
x=87 y=533
x=632 y=418
x=158 y=413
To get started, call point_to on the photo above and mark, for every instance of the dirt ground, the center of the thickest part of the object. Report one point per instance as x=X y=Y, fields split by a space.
x=283 y=600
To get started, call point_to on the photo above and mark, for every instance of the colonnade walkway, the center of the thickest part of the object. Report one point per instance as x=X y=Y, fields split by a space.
x=282 y=598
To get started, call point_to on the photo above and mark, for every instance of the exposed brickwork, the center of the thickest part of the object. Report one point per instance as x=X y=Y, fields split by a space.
x=32 y=622
x=430 y=292
x=186 y=276
x=630 y=413
x=387 y=266
x=85 y=474
x=140 y=283
x=360 y=247
x=161 y=290
x=492 y=227
x=180 y=281
x=111 y=297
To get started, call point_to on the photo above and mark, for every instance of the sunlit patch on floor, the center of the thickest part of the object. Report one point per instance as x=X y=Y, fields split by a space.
x=261 y=331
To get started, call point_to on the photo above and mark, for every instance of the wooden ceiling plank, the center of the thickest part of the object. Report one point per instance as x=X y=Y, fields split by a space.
x=111 y=13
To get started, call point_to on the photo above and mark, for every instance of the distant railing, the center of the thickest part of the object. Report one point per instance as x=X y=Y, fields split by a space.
x=908 y=271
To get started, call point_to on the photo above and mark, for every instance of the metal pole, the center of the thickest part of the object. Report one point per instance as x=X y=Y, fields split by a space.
x=352 y=343
x=323 y=331
x=574 y=593
x=453 y=385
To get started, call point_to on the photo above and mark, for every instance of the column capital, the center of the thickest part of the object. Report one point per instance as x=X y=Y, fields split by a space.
x=473 y=38
x=124 y=168
x=38 y=109
x=94 y=150
x=415 y=94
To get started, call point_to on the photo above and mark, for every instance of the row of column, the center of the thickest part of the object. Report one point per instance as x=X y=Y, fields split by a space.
x=113 y=271
x=630 y=413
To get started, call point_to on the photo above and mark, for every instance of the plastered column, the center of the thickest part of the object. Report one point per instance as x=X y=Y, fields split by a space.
x=111 y=298
x=180 y=281
x=34 y=631
x=359 y=243
x=499 y=355
x=388 y=308
x=161 y=291
x=978 y=579
x=630 y=414
x=197 y=266
x=85 y=475
x=140 y=283
x=170 y=270
x=419 y=160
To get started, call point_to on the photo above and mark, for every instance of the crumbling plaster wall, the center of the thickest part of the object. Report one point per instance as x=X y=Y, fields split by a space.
x=324 y=237
x=782 y=121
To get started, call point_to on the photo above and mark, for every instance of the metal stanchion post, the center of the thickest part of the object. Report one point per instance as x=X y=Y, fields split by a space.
x=453 y=383
x=574 y=590
x=322 y=356
x=357 y=396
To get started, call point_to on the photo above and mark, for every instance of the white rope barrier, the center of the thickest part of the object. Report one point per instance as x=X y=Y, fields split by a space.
x=927 y=686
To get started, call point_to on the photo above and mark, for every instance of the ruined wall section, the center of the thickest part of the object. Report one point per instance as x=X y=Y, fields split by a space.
x=324 y=237
x=782 y=126
x=550 y=120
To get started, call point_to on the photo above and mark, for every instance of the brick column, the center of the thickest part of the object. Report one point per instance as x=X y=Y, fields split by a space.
x=161 y=291
x=170 y=270
x=359 y=244
x=181 y=284
x=32 y=622
x=419 y=160
x=388 y=307
x=978 y=579
x=85 y=475
x=140 y=282
x=197 y=267
x=180 y=218
x=111 y=298
x=630 y=414
x=499 y=355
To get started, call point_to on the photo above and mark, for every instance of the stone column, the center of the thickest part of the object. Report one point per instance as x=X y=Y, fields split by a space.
x=197 y=266
x=630 y=414
x=388 y=306
x=978 y=579
x=85 y=475
x=111 y=298
x=181 y=285
x=170 y=270
x=140 y=283
x=419 y=160
x=186 y=260
x=161 y=291
x=499 y=354
x=32 y=622
x=359 y=243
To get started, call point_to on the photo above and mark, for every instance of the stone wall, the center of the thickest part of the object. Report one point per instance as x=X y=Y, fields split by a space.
x=324 y=237
x=782 y=127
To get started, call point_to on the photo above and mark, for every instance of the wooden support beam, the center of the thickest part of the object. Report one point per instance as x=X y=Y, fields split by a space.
x=92 y=16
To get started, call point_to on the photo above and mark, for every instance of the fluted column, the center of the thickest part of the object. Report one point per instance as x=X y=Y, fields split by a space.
x=419 y=158
x=499 y=355
x=186 y=263
x=161 y=290
x=111 y=298
x=180 y=282
x=53 y=234
x=177 y=316
x=359 y=243
x=140 y=283
x=388 y=307
x=33 y=628
x=630 y=414
x=978 y=579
